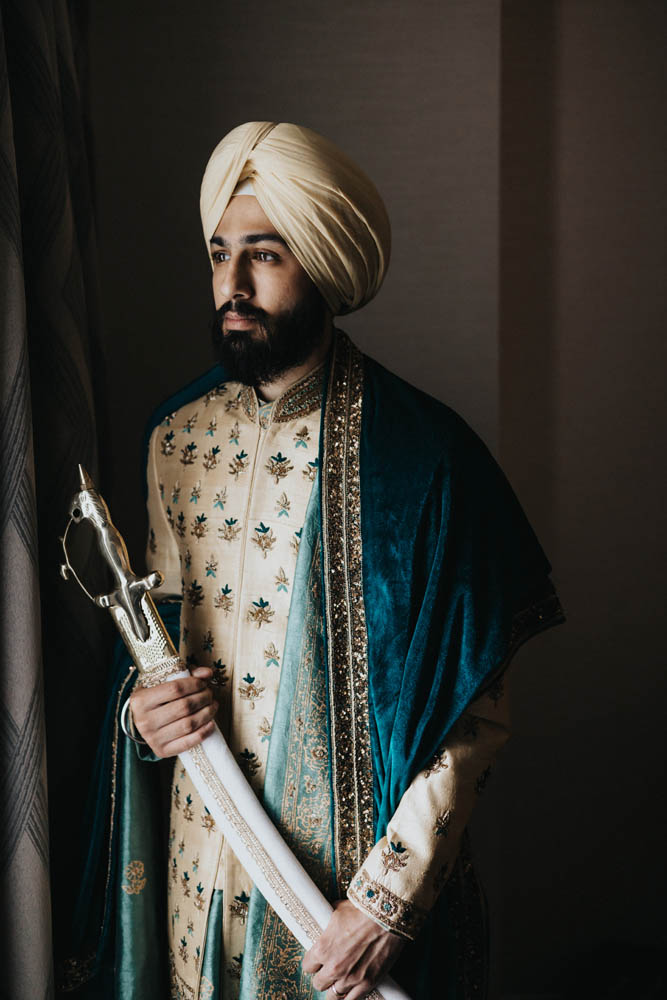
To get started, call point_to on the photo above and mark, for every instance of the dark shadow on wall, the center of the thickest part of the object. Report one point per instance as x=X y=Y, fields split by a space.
x=527 y=443
x=526 y=258
x=578 y=799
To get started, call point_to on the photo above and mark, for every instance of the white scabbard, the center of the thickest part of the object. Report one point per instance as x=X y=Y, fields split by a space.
x=215 y=773
x=260 y=848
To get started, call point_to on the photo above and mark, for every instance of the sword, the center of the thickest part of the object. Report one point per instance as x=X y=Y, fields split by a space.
x=215 y=773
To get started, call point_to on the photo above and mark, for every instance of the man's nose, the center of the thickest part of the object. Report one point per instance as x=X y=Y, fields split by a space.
x=235 y=281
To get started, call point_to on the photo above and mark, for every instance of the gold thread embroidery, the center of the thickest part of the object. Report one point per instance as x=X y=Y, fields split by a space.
x=136 y=881
x=206 y=989
x=249 y=402
x=439 y=763
x=394 y=857
x=302 y=398
x=179 y=989
x=443 y=823
x=352 y=775
x=401 y=916
x=161 y=673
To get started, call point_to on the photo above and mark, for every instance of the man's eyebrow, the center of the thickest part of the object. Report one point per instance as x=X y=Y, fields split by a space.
x=250 y=239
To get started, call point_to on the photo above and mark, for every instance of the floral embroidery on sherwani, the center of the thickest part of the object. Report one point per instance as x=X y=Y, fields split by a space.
x=224 y=599
x=431 y=816
x=260 y=612
x=283 y=505
x=279 y=466
x=238 y=464
x=210 y=459
x=264 y=538
x=238 y=469
x=230 y=530
x=189 y=454
x=394 y=857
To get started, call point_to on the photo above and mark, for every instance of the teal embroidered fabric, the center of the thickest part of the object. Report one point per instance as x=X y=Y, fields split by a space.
x=118 y=945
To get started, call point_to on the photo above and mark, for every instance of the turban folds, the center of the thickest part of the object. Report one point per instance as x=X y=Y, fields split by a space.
x=326 y=209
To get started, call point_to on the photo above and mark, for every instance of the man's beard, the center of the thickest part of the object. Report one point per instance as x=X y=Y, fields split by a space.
x=277 y=344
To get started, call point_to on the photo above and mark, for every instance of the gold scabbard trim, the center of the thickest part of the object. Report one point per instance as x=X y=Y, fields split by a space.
x=347 y=639
x=163 y=672
x=260 y=855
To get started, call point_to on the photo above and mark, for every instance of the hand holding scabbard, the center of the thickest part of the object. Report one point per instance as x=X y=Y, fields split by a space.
x=211 y=765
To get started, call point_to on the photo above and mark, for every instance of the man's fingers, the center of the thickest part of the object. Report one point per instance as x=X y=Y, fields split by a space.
x=312 y=961
x=204 y=672
x=174 y=711
x=150 y=714
x=187 y=742
x=187 y=724
x=162 y=694
x=358 y=991
x=327 y=976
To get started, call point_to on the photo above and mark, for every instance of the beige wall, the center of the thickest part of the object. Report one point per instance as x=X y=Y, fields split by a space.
x=527 y=289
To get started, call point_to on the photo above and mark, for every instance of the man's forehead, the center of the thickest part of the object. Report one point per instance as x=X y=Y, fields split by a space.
x=243 y=215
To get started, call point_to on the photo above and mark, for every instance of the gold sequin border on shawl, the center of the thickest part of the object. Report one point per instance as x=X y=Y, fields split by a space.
x=347 y=640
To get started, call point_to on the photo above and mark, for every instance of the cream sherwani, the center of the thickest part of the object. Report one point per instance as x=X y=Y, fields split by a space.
x=229 y=483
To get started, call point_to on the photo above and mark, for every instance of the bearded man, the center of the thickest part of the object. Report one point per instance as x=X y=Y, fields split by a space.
x=351 y=575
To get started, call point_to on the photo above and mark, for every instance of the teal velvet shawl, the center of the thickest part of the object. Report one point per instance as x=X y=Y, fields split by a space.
x=450 y=564
x=453 y=581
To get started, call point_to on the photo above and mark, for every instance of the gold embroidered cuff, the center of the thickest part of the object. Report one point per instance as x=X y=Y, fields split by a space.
x=394 y=913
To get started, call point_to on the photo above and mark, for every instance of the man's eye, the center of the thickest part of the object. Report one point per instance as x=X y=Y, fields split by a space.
x=265 y=256
x=219 y=256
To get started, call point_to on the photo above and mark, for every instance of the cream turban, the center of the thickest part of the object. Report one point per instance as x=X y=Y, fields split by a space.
x=326 y=209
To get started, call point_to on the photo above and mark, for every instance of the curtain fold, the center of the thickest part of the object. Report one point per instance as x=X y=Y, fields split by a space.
x=53 y=645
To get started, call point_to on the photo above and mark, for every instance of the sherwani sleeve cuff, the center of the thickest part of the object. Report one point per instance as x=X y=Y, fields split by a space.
x=405 y=871
x=370 y=895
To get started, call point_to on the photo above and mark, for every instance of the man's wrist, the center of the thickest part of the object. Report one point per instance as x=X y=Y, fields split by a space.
x=371 y=916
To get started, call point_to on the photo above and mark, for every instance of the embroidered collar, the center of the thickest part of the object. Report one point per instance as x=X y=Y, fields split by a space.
x=302 y=398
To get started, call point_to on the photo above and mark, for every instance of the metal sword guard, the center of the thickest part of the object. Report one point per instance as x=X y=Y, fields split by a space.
x=129 y=591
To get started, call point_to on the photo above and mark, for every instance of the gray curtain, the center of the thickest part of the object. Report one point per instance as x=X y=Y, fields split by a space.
x=51 y=643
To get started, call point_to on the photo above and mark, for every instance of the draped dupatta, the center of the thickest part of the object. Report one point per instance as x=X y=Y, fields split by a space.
x=431 y=578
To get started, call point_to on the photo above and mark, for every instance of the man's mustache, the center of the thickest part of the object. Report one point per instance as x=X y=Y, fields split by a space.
x=241 y=309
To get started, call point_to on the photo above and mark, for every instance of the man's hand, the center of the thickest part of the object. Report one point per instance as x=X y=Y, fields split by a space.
x=176 y=715
x=353 y=953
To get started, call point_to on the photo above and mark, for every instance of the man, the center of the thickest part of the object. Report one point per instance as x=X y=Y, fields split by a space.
x=355 y=575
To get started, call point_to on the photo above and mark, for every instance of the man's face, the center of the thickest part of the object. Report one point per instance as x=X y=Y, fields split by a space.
x=269 y=316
